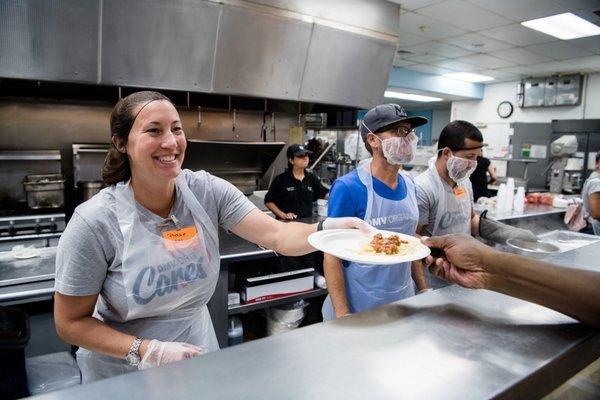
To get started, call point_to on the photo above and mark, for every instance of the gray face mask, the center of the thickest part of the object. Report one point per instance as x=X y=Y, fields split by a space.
x=398 y=150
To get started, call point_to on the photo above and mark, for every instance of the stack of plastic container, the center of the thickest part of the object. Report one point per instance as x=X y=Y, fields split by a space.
x=519 y=203
x=510 y=194
x=506 y=199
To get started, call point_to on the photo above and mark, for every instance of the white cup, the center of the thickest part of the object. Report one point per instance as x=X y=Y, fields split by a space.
x=322 y=207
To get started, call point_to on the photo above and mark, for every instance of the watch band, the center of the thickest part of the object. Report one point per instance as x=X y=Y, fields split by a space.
x=135 y=346
x=320 y=225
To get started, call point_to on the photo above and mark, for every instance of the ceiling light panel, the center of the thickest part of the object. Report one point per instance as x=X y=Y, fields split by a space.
x=563 y=26
x=411 y=96
x=469 y=77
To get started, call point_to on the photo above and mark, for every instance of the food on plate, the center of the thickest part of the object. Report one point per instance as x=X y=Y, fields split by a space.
x=392 y=245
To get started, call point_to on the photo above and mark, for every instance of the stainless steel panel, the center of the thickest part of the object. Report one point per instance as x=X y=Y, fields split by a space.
x=532 y=134
x=49 y=40
x=377 y=15
x=159 y=44
x=550 y=90
x=88 y=160
x=569 y=90
x=16 y=271
x=240 y=163
x=260 y=54
x=346 y=69
x=16 y=165
x=534 y=92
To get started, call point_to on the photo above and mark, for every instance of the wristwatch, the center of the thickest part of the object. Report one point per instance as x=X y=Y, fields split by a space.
x=320 y=226
x=133 y=355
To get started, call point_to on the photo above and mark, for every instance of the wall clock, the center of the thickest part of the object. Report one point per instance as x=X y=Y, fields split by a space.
x=505 y=109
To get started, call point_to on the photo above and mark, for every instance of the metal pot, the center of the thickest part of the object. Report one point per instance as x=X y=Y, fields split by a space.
x=87 y=189
x=44 y=191
x=528 y=248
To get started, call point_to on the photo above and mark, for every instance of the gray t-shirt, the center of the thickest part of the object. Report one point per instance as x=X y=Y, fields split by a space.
x=88 y=259
x=428 y=198
x=591 y=185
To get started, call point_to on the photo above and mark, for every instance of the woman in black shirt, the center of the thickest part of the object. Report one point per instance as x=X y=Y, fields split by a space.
x=479 y=178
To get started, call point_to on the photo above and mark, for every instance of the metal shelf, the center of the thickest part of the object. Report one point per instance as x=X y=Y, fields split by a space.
x=523 y=160
x=30 y=155
x=242 y=308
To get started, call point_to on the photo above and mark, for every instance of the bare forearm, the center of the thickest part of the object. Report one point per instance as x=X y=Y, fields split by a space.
x=96 y=336
x=291 y=238
x=332 y=268
x=572 y=292
x=418 y=274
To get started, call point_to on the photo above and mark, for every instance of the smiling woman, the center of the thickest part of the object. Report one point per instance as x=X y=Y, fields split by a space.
x=138 y=262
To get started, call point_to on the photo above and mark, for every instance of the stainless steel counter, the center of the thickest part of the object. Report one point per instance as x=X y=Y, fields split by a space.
x=453 y=343
x=531 y=210
x=232 y=249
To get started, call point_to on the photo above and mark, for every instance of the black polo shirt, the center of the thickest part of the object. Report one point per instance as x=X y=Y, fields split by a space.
x=292 y=195
x=479 y=176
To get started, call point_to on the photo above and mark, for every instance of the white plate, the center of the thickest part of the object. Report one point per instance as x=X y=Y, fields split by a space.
x=348 y=244
x=25 y=256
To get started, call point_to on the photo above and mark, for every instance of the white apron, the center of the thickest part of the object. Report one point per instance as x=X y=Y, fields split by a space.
x=167 y=287
x=369 y=286
x=453 y=215
x=454 y=209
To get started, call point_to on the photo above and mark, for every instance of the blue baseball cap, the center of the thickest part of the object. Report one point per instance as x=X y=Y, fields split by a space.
x=387 y=116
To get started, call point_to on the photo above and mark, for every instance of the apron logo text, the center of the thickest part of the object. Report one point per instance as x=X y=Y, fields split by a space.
x=148 y=282
x=452 y=218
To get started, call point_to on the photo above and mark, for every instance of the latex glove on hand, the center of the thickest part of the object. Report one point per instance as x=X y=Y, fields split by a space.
x=289 y=215
x=160 y=353
x=463 y=261
x=348 y=223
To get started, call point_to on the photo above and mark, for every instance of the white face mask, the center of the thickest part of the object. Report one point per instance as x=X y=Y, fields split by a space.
x=459 y=168
x=398 y=150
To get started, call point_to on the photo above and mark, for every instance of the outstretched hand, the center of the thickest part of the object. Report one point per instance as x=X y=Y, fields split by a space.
x=348 y=223
x=462 y=261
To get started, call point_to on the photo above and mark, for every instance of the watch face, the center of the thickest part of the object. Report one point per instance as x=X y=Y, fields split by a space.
x=132 y=359
x=505 y=109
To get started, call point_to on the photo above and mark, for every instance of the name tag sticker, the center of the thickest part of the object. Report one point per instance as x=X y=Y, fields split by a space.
x=181 y=239
x=187 y=233
x=459 y=191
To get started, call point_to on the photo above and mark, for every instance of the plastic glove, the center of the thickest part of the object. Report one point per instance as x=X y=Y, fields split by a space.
x=160 y=353
x=348 y=223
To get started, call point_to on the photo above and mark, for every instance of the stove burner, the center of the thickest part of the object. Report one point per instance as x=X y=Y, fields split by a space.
x=20 y=209
x=16 y=219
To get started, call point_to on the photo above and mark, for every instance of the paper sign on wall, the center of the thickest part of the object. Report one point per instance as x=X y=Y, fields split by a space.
x=538 y=151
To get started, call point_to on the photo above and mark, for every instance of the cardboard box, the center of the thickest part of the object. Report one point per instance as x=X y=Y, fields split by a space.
x=274 y=286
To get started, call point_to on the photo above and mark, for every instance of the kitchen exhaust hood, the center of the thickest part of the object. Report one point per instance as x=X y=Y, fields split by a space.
x=227 y=47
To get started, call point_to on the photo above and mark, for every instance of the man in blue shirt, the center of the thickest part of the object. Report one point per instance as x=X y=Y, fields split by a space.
x=378 y=192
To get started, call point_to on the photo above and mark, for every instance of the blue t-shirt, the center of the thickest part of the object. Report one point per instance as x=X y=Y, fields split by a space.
x=348 y=196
